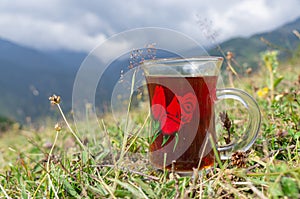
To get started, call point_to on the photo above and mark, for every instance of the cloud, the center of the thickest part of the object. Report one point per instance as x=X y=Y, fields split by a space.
x=249 y=17
x=46 y=34
x=78 y=25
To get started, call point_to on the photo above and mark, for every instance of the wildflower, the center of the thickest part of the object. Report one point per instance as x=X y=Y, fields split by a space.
x=278 y=97
x=262 y=93
x=57 y=127
x=54 y=99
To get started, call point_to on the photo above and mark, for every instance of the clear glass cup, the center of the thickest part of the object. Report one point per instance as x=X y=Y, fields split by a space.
x=183 y=93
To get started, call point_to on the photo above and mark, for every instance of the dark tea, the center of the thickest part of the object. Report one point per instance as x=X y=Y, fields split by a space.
x=182 y=110
x=182 y=98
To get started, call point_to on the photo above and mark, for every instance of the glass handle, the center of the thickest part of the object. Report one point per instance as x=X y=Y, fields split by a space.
x=250 y=134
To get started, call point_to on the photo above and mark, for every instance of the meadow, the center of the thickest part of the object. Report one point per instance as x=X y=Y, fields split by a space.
x=57 y=161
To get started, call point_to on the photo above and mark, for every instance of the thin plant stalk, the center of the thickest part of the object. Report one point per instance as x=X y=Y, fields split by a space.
x=48 y=165
x=69 y=127
x=113 y=156
x=4 y=192
x=216 y=151
x=127 y=117
x=270 y=69
x=40 y=184
x=138 y=133
x=125 y=138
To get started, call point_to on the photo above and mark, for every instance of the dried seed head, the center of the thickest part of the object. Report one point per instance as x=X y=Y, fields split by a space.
x=54 y=99
x=239 y=159
x=249 y=71
x=226 y=125
x=225 y=120
x=229 y=55
x=57 y=127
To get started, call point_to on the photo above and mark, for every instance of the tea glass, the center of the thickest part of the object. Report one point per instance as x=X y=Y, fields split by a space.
x=183 y=93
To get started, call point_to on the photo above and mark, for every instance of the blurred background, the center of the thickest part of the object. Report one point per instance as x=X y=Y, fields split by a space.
x=43 y=43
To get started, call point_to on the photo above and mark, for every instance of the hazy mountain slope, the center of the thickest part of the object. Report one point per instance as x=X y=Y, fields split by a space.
x=28 y=76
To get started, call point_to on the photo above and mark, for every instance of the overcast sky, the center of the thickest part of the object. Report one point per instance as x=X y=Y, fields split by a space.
x=82 y=25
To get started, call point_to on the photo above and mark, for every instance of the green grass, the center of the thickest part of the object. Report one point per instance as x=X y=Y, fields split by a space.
x=106 y=164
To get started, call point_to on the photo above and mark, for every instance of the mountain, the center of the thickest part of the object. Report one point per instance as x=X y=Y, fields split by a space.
x=247 y=50
x=29 y=76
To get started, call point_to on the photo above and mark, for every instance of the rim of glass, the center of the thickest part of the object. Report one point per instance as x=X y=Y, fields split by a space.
x=174 y=60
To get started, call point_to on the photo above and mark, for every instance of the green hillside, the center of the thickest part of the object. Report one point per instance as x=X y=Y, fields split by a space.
x=247 y=50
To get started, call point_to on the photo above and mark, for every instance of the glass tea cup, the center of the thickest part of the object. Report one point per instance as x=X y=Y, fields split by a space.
x=182 y=95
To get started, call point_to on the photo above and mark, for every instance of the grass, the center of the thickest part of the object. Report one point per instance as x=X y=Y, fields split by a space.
x=62 y=163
